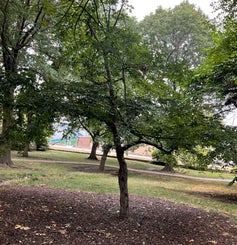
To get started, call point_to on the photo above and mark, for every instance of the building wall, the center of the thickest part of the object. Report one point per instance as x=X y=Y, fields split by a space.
x=143 y=150
x=84 y=142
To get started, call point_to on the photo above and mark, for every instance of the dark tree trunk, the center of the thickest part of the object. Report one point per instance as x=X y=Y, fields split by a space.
x=106 y=149
x=5 y=156
x=5 y=142
x=168 y=168
x=93 y=151
x=123 y=183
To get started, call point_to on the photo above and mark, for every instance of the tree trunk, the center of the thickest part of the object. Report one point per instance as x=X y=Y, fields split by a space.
x=5 y=142
x=5 y=156
x=106 y=149
x=93 y=151
x=167 y=168
x=123 y=183
x=27 y=142
x=26 y=149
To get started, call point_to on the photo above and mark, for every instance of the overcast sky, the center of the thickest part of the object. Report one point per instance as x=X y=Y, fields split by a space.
x=145 y=7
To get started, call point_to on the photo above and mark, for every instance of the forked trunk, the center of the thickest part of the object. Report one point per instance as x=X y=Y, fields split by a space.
x=123 y=183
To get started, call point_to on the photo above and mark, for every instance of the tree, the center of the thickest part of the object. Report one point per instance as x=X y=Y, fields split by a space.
x=21 y=22
x=111 y=81
x=219 y=68
x=94 y=128
x=109 y=52
x=178 y=39
x=36 y=108
x=106 y=147
x=216 y=77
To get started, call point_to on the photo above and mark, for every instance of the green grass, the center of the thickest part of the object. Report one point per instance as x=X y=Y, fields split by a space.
x=76 y=157
x=205 y=174
x=85 y=177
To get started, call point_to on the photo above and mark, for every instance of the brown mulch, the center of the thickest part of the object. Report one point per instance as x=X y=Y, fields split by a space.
x=43 y=215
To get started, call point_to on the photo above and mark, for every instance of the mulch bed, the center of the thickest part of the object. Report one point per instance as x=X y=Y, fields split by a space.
x=43 y=215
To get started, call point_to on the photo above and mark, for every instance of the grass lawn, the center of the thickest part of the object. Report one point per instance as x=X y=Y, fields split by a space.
x=33 y=171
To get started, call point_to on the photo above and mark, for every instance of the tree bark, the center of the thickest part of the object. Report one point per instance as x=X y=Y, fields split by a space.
x=5 y=142
x=167 y=168
x=93 y=151
x=5 y=156
x=123 y=183
x=27 y=142
x=26 y=149
x=106 y=149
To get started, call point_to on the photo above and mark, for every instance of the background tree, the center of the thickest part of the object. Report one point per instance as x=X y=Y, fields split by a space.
x=218 y=75
x=21 y=22
x=36 y=108
x=178 y=39
x=93 y=127
x=219 y=68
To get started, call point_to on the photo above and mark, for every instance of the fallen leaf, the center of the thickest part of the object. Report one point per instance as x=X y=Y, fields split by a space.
x=21 y=227
x=212 y=242
x=62 y=231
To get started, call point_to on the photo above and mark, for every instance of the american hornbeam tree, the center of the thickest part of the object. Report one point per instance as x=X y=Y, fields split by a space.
x=20 y=24
x=110 y=81
x=108 y=52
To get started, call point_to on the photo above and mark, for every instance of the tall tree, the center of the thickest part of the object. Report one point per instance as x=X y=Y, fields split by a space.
x=111 y=81
x=178 y=39
x=20 y=24
x=109 y=52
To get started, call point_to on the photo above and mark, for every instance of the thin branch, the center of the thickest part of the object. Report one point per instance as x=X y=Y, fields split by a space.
x=4 y=30
x=119 y=13
x=79 y=17
x=31 y=32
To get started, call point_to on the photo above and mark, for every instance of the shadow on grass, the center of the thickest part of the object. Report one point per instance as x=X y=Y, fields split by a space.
x=225 y=198
x=91 y=169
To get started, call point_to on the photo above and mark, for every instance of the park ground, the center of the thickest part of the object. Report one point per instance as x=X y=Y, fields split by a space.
x=40 y=214
x=43 y=215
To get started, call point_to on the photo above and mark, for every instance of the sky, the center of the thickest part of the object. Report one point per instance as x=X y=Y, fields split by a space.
x=143 y=8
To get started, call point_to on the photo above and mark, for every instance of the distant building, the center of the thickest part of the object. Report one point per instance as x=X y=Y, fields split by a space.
x=83 y=141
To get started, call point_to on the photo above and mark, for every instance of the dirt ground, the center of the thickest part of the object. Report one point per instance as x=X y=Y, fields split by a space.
x=43 y=215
